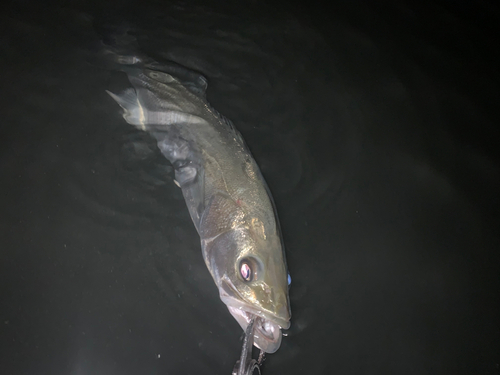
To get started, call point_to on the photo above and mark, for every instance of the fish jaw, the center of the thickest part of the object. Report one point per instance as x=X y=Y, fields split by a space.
x=267 y=331
x=267 y=334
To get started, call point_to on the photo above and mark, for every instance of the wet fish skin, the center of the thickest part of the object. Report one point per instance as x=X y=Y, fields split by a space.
x=225 y=193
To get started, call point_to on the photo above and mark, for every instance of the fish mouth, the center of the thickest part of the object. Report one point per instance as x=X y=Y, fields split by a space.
x=266 y=334
x=267 y=329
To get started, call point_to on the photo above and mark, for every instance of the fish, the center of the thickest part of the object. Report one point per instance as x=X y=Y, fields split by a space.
x=225 y=192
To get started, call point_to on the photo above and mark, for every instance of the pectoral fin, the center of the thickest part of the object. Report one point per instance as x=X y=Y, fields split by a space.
x=132 y=110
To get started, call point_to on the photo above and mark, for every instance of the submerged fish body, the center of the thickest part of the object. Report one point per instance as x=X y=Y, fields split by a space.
x=225 y=193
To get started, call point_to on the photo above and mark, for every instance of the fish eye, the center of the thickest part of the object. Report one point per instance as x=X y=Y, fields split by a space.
x=250 y=268
x=246 y=271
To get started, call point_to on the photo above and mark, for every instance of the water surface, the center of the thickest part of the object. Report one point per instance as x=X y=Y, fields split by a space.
x=376 y=129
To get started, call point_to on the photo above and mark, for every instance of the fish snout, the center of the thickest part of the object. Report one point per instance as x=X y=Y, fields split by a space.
x=274 y=303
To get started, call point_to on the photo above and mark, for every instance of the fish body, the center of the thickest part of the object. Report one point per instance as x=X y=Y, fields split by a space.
x=225 y=192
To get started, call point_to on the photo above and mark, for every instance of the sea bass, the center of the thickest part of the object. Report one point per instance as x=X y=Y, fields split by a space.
x=226 y=195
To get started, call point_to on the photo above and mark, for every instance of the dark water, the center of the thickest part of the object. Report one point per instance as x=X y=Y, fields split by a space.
x=376 y=127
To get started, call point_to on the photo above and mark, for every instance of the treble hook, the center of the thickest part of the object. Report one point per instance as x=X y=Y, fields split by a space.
x=246 y=364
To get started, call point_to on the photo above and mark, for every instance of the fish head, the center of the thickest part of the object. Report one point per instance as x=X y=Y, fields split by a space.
x=255 y=284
